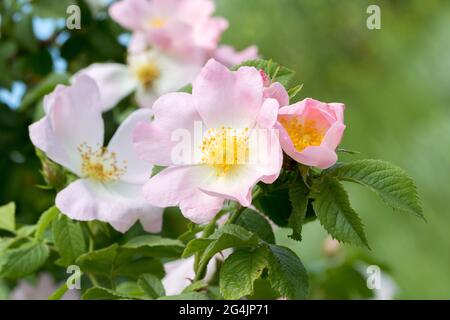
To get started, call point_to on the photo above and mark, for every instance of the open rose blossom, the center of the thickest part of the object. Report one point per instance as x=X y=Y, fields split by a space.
x=150 y=74
x=110 y=181
x=311 y=130
x=177 y=25
x=228 y=128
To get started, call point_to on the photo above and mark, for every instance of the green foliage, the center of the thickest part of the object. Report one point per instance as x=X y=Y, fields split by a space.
x=229 y=236
x=298 y=195
x=254 y=222
x=287 y=273
x=69 y=239
x=22 y=261
x=45 y=221
x=187 y=296
x=100 y=293
x=333 y=209
x=240 y=270
x=390 y=182
x=155 y=246
x=8 y=217
x=152 y=286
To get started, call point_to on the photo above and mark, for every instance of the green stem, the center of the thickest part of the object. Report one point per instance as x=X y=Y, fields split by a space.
x=235 y=215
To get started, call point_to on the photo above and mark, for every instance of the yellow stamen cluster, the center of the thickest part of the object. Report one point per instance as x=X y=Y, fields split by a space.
x=225 y=148
x=157 y=23
x=302 y=133
x=100 y=164
x=147 y=73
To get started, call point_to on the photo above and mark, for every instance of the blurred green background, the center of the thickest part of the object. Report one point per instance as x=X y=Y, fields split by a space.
x=394 y=81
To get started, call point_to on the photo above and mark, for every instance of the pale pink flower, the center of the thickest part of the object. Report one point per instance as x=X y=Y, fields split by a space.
x=311 y=130
x=228 y=56
x=181 y=26
x=44 y=287
x=230 y=109
x=150 y=74
x=110 y=178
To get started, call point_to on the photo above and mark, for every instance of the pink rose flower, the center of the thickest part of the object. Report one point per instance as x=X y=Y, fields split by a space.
x=182 y=26
x=222 y=118
x=149 y=74
x=311 y=130
x=110 y=178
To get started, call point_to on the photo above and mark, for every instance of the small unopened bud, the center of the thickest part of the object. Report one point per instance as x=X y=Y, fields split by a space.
x=54 y=175
x=265 y=78
x=331 y=247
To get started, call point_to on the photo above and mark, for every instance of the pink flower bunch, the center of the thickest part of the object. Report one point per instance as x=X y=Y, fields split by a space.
x=216 y=143
x=171 y=41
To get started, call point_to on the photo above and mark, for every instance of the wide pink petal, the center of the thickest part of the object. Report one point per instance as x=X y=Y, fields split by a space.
x=277 y=91
x=224 y=98
x=74 y=118
x=178 y=186
x=43 y=138
x=114 y=80
x=138 y=42
x=317 y=156
x=228 y=56
x=207 y=33
x=268 y=114
x=174 y=113
x=192 y=11
x=120 y=205
x=138 y=171
x=236 y=185
x=131 y=14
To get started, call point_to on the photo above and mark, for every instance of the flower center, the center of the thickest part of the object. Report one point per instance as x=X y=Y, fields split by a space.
x=225 y=148
x=100 y=164
x=147 y=73
x=302 y=134
x=157 y=23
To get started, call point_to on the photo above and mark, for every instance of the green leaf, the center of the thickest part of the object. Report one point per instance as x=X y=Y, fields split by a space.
x=293 y=92
x=256 y=223
x=298 y=195
x=287 y=273
x=240 y=270
x=152 y=286
x=275 y=71
x=68 y=238
x=155 y=246
x=22 y=261
x=229 y=236
x=275 y=204
x=112 y=261
x=131 y=289
x=99 y=293
x=45 y=221
x=195 y=246
x=187 y=296
x=195 y=286
x=8 y=217
x=59 y=293
x=333 y=209
x=390 y=182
